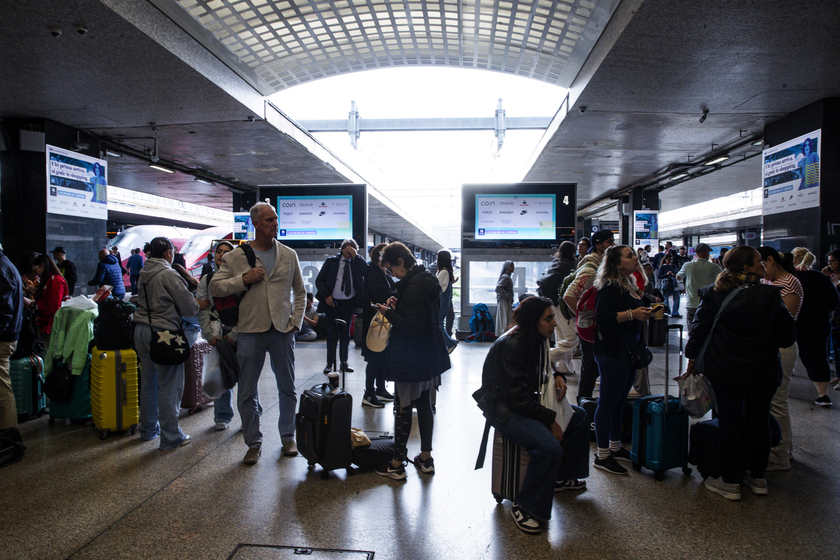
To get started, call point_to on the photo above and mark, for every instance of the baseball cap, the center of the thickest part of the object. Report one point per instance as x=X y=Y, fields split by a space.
x=601 y=236
x=59 y=250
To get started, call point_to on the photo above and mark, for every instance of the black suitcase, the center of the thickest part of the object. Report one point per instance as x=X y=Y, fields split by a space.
x=657 y=332
x=590 y=405
x=323 y=428
x=704 y=446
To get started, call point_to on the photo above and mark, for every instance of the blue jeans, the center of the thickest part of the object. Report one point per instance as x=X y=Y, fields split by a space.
x=445 y=300
x=161 y=390
x=550 y=461
x=250 y=354
x=223 y=408
x=617 y=376
x=675 y=296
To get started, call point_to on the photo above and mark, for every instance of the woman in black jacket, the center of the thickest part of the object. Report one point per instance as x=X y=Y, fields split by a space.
x=620 y=314
x=742 y=362
x=378 y=288
x=510 y=382
x=415 y=356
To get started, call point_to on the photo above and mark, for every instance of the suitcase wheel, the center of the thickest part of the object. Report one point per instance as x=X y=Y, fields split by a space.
x=104 y=434
x=498 y=498
x=133 y=429
x=637 y=466
x=687 y=471
x=52 y=421
x=659 y=475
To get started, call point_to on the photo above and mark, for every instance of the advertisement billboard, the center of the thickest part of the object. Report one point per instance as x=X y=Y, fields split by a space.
x=77 y=185
x=790 y=174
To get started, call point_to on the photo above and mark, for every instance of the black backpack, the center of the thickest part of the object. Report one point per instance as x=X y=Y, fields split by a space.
x=28 y=343
x=227 y=307
x=114 y=327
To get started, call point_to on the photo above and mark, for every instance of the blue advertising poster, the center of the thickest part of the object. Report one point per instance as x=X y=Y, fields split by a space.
x=515 y=217
x=790 y=174
x=242 y=226
x=646 y=229
x=77 y=185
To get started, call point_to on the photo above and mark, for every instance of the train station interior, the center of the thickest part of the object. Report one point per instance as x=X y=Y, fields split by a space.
x=670 y=107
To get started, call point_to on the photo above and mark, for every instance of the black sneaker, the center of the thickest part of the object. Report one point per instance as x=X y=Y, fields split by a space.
x=622 y=454
x=569 y=484
x=372 y=401
x=525 y=522
x=610 y=465
x=397 y=473
x=384 y=396
x=823 y=401
x=427 y=466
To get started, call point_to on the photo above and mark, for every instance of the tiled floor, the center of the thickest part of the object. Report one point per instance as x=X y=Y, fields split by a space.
x=74 y=496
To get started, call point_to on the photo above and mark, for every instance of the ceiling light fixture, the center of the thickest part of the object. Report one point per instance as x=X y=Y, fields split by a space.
x=718 y=160
x=160 y=168
x=111 y=153
x=205 y=181
x=759 y=142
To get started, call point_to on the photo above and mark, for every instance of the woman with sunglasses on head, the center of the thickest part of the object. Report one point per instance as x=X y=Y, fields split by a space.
x=742 y=362
x=780 y=272
x=415 y=356
x=513 y=373
x=620 y=314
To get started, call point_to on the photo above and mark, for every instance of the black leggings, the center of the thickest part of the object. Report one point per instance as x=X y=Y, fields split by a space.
x=425 y=421
x=813 y=351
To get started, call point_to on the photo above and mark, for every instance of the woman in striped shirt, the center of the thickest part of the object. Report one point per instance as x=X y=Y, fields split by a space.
x=780 y=271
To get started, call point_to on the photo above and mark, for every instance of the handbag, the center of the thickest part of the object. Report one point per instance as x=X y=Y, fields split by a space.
x=640 y=355
x=58 y=385
x=378 y=333
x=548 y=394
x=167 y=347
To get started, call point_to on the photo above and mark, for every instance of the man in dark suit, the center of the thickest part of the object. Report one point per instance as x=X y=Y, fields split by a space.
x=340 y=289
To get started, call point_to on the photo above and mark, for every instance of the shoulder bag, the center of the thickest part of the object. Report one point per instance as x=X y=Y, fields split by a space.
x=167 y=347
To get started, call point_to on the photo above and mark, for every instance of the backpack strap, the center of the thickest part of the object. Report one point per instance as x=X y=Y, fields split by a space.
x=251 y=256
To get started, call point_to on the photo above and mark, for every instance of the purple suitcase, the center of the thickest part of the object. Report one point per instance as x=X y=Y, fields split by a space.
x=194 y=397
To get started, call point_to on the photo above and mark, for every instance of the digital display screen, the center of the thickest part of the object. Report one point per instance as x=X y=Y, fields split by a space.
x=77 y=185
x=315 y=218
x=515 y=217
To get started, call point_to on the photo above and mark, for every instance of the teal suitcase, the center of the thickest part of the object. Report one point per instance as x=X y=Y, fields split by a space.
x=28 y=386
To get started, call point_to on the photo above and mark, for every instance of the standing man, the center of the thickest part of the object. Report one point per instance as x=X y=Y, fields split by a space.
x=697 y=274
x=135 y=265
x=109 y=271
x=11 y=319
x=584 y=278
x=340 y=289
x=268 y=321
x=67 y=268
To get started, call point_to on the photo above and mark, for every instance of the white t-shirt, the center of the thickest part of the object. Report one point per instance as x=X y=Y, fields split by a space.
x=443 y=279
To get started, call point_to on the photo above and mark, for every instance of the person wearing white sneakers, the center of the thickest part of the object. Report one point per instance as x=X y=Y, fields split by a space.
x=738 y=329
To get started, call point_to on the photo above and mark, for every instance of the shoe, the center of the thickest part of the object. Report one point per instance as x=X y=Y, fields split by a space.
x=452 y=348
x=389 y=470
x=757 y=485
x=222 y=426
x=525 y=522
x=721 y=488
x=384 y=396
x=372 y=401
x=823 y=401
x=328 y=369
x=346 y=368
x=289 y=448
x=837 y=387
x=676 y=316
x=772 y=467
x=427 y=466
x=252 y=455
x=622 y=454
x=834 y=382
x=610 y=465
x=186 y=440
x=569 y=484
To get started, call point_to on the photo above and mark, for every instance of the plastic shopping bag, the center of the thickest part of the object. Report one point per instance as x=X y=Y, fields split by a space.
x=211 y=375
x=696 y=395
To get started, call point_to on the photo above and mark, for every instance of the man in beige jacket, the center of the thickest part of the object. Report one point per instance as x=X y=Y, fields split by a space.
x=268 y=321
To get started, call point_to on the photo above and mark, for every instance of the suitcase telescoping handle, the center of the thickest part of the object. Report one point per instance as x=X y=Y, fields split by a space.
x=667 y=360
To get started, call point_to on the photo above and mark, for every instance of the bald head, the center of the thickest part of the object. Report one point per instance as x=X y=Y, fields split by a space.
x=103 y=254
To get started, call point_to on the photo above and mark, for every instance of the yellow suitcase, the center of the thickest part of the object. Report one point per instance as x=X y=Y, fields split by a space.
x=114 y=391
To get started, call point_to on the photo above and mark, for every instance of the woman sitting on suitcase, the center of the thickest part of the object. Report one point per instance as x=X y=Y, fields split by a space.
x=509 y=398
x=415 y=356
x=742 y=362
x=620 y=314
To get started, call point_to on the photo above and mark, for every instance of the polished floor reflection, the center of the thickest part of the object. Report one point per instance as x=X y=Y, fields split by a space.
x=74 y=496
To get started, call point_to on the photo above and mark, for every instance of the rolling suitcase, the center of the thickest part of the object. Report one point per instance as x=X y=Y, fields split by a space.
x=27 y=385
x=322 y=426
x=114 y=391
x=194 y=397
x=79 y=406
x=510 y=463
x=660 y=429
x=590 y=405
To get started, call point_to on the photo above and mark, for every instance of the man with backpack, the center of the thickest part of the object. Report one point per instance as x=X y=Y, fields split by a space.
x=583 y=280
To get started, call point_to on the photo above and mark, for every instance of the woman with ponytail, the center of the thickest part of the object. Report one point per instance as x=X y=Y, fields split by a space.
x=742 y=362
x=780 y=271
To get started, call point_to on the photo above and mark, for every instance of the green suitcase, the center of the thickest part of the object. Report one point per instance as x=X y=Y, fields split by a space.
x=27 y=384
